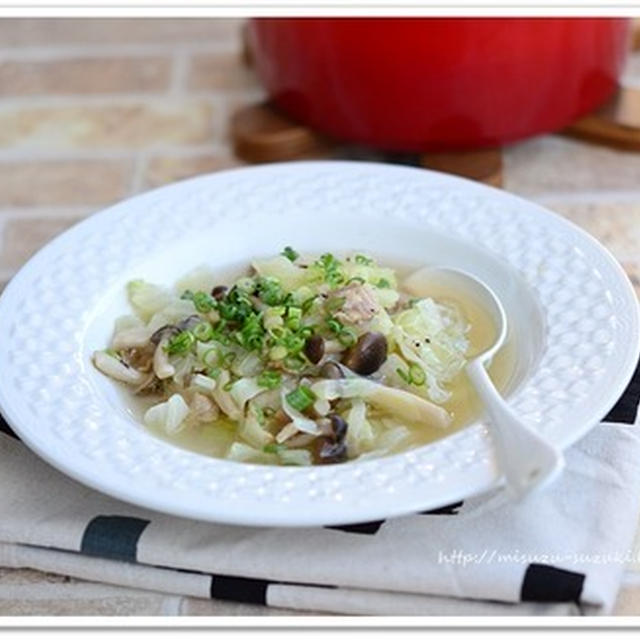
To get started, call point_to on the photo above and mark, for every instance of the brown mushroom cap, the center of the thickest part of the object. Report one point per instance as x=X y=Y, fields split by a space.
x=219 y=292
x=368 y=354
x=332 y=447
x=314 y=349
x=189 y=323
x=338 y=426
x=167 y=331
x=326 y=451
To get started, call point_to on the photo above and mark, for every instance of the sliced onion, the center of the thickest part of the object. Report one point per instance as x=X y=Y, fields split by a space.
x=203 y=383
x=253 y=433
x=130 y=338
x=298 y=457
x=244 y=389
x=360 y=435
x=161 y=365
x=224 y=399
x=169 y=415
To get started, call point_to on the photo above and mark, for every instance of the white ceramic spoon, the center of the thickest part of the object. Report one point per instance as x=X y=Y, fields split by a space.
x=527 y=460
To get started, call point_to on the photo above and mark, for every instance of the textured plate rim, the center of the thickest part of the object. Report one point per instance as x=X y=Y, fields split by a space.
x=476 y=481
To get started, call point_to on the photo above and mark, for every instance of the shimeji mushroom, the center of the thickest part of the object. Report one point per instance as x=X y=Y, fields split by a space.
x=116 y=369
x=397 y=402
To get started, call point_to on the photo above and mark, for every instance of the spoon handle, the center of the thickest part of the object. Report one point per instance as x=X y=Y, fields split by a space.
x=527 y=460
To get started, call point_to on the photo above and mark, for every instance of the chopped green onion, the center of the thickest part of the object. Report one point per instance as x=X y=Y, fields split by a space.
x=274 y=447
x=203 y=331
x=213 y=372
x=246 y=284
x=347 y=337
x=270 y=379
x=187 y=295
x=290 y=254
x=253 y=342
x=269 y=291
x=288 y=299
x=306 y=332
x=331 y=268
x=356 y=279
x=335 y=278
x=294 y=315
x=227 y=358
x=180 y=344
x=211 y=356
x=294 y=343
x=416 y=373
x=360 y=259
x=223 y=339
x=203 y=302
x=227 y=311
x=236 y=306
x=252 y=334
x=327 y=261
x=259 y=415
x=383 y=283
x=334 y=324
x=294 y=362
x=308 y=303
x=278 y=352
x=277 y=333
x=301 y=398
x=219 y=332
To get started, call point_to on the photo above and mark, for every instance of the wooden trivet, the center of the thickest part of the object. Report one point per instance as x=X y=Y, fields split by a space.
x=262 y=134
x=635 y=35
x=615 y=124
x=483 y=165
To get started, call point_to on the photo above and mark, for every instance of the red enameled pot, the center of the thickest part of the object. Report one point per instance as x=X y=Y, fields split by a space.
x=415 y=84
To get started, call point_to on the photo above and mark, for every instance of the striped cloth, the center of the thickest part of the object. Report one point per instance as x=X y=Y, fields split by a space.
x=559 y=552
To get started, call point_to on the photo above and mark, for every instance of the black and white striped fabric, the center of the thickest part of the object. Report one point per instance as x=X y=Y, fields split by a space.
x=561 y=551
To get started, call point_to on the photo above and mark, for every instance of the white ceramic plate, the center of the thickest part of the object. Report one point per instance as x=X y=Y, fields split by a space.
x=574 y=314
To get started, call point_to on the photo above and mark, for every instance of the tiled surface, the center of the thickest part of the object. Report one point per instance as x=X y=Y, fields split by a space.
x=550 y=164
x=72 y=75
x=138 y=32
x=129 y=125
x=92 y=111
x=64 y=182
x=163 y=168
x=614 y=224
